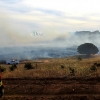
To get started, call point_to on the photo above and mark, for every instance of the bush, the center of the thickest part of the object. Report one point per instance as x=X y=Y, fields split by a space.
x=93 y=68
x=62 y=66
x=14 y=66
x=2 y=69
x=28 y=66
x=72 y=71
x=11 y=68
x=79 y=58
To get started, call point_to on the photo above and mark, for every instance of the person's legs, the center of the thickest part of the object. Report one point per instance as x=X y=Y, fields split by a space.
x=1 y=91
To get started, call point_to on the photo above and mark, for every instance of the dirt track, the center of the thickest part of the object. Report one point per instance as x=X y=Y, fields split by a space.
x=52 y=89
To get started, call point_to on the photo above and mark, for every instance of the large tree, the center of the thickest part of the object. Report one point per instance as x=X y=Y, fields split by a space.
x=88 y=49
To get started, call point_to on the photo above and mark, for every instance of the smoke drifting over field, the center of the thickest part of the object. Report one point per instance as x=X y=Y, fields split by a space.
x=59 y=46
x=40 y=28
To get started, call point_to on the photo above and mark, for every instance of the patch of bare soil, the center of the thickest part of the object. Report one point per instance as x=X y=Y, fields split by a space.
x=52 y=89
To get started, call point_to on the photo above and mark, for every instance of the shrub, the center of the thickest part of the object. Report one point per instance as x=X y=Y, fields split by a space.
x=72 y=71
x=2 y=69
x=14 y=66
x=62 y=66
x=28 y=66
x=93 y=68
x=11 y=68
x=79 y=58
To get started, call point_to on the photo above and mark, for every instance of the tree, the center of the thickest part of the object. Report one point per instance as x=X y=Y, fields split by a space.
x=88 y=49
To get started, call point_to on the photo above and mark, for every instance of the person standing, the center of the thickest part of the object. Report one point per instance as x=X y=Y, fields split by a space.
x=1 y=87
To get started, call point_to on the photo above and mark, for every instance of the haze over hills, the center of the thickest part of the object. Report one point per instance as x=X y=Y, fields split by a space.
x=21 y=53
x=56 y=21
x=95 y=33
x=61 y=46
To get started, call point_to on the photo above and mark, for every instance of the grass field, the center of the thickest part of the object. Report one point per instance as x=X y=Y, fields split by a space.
x=46 y=68
x=48 y=80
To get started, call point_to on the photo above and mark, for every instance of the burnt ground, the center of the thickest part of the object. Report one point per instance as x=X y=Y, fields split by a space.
x=52 y=89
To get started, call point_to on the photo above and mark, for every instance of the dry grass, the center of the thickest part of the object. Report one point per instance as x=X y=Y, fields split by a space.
x=52 y=68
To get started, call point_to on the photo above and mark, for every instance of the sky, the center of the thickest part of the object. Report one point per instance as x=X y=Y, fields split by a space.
x=24 y=22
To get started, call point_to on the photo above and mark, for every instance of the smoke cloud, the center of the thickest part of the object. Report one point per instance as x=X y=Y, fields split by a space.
x=30 y=31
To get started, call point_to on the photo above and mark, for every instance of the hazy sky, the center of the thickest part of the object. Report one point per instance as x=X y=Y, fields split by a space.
x=19 y=19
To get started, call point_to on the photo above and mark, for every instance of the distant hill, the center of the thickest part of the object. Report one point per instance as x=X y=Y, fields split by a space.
x=81 y=33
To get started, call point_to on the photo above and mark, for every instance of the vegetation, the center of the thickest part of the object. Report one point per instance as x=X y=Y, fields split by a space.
x=62 y=66
x=59 y=72
x=28 y=66
x=79 y=58
x=13 y=67
x=55 y=67
x=93 y=68
x=72 y=71
x=2 y=69
x=88 y=49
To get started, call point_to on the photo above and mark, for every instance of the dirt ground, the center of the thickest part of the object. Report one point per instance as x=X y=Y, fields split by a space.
x=52 y=89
